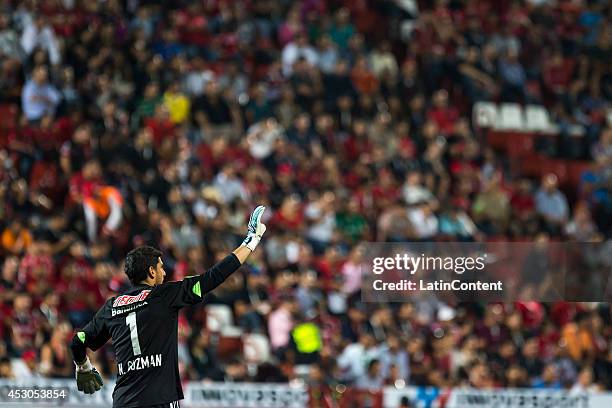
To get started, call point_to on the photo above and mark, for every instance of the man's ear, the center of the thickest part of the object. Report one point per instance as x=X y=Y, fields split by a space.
x=151 y=273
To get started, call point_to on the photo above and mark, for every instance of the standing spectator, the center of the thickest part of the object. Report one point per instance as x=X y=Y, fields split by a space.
x=56 y=358
x=16 y=238
x=37 y=33
x=280 y=324
x=513 y=76
x=103 y=204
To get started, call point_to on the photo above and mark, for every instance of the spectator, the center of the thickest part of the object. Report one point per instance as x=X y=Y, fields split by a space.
x=103 y=203
x=280 y=324
x=585 y=383
x=513 y=76
x=55 y=355
x=177 y=103
x=549 y=378
x=10 y=46
x=551 y=204
x=581 y=227
x=212 y=113
x=372 y=379
x=491 y=208
x=414 y=192
x=343 y=146
x=356 y=357
x=37 y=33
x=16 y=238
x=39 y=98
x=298 y=49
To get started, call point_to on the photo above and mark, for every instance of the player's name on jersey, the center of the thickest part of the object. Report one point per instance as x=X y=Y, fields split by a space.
x=140 y=363
x=126 y=309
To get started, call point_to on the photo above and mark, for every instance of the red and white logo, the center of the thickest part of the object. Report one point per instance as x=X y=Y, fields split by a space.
x=128 y=300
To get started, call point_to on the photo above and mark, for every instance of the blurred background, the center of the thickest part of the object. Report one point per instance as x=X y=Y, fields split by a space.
x=130 y=122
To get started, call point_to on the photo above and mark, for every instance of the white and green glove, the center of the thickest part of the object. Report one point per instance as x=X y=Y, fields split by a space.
x=256 y=229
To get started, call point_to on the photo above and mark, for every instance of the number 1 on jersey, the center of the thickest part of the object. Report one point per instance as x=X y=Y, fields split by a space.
x=130 y=320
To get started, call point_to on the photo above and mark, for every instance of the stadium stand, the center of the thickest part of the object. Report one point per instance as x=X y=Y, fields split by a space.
x=136 y=122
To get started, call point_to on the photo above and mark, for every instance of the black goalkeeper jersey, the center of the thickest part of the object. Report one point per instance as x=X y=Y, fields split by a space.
x=143 y=325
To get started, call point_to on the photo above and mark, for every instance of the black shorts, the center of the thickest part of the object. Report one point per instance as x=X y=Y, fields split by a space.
x=174 y=404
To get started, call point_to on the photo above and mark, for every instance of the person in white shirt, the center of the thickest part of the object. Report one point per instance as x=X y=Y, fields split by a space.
x=300 y=48
x=229 y=185
x=356 y=356
x=39 y=98
x=38 y=34
x=414 y=191
x=423 y=220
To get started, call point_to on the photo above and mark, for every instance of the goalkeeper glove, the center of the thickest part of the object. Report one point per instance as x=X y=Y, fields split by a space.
x=87 y=377
x=255 y=229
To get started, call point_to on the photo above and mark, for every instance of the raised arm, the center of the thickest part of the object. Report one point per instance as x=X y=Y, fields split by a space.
x=191 y=290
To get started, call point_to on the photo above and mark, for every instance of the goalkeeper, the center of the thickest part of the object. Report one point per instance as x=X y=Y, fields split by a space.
x=143 y=324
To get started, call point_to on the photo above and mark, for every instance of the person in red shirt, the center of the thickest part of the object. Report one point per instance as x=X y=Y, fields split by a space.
x=557 y=74
x=442 y=114
x=290 y=216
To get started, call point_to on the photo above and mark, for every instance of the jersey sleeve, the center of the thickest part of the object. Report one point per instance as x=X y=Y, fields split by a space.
x=191 y=290
x=93 y=336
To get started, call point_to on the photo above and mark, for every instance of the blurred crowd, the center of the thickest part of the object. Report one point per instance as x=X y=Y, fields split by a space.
x=150 y=122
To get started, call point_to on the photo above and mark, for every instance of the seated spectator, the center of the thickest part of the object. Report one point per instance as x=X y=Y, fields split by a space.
x=442 y=113
x=491 y=208
x=342 y=29
x=10 y=46
x=551 y=204
x=548 y=379
x=299 y=48
x=581 y=226
x=177 y=103
x=457 y=223
x=290 y=28
x=478 y=83
x=146 y=106
x=194 y=81
x=372 y=379
x=414 y=192
x=423 y=221
x=211 y=112
x=321 y=220
x=584 y=383
x=39 y=97
x=328 y=55
x=383 y=61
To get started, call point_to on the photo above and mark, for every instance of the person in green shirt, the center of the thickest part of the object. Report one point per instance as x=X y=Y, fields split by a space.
x=352 y=225
x=146 y=105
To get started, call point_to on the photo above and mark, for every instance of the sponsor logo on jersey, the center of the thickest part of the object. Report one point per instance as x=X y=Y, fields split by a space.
x=124 y=300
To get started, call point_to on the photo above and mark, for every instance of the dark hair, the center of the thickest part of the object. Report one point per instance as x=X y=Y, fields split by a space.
x=138 y=261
